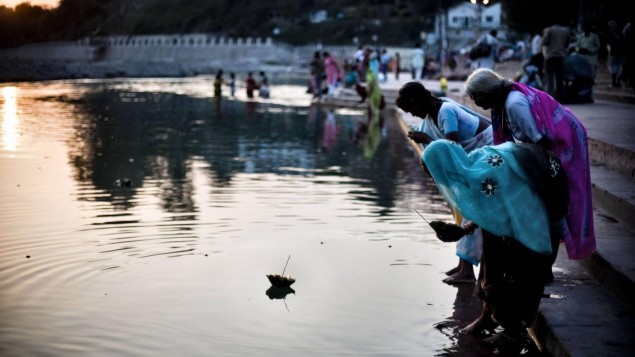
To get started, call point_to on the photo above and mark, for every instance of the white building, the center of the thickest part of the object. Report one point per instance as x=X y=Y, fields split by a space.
x=462 y=24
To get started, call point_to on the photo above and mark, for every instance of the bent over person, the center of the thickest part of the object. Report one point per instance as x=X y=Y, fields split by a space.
x=444 y=118
x=516 y=193
x=529 y=115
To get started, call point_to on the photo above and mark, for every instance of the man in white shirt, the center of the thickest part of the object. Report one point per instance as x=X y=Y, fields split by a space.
x=417 y=62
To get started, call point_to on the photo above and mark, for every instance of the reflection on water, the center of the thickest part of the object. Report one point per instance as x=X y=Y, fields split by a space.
x=143 y=216
x=9 y=119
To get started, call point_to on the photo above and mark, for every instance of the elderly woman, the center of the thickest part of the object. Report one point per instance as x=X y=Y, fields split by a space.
x=526 y=114
x=446 y=119
x=488 y=186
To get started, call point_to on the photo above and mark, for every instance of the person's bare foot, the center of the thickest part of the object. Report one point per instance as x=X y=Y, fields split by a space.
x=479 y=326
x=459 y=280
x=453 y=270
x=461 y=277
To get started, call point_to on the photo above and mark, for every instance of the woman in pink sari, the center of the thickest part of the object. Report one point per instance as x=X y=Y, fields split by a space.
x=333 y=74
x=525 y=114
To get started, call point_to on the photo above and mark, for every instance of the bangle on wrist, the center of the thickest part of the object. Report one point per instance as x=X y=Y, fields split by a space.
x=469 y=227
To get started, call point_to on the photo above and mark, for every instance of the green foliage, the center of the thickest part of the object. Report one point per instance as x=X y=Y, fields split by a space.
x=392 y=21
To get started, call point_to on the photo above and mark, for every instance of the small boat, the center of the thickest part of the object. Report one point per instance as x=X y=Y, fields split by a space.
x=280 y=281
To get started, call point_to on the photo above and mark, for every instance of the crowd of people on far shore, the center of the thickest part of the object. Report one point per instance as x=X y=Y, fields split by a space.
x=329 y=75
x=557 y=59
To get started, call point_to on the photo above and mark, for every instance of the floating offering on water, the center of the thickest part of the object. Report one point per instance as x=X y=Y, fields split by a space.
x=280 y=280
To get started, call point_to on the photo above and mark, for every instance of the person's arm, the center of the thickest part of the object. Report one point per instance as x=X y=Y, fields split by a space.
x=521 y=120
x=419 y=137
x=453 y=135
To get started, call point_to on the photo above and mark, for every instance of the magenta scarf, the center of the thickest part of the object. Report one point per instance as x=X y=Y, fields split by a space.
x=569 y=142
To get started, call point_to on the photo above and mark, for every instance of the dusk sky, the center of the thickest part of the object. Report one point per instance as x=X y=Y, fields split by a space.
x=13 y=3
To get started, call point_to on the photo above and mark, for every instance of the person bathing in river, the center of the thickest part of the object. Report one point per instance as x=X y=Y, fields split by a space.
x=444 y=118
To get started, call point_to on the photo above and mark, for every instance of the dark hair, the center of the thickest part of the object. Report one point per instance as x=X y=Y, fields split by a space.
x=412 y=92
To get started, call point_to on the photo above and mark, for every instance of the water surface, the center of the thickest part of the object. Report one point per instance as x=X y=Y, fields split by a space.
x=140 y=217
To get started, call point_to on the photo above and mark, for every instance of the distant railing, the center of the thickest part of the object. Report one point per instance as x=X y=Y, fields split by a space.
x=190 y=40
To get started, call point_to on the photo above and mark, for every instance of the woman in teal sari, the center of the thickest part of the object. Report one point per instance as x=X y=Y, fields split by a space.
x=517 y=194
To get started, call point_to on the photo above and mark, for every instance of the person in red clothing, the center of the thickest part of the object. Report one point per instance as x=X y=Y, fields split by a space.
x=251 y=85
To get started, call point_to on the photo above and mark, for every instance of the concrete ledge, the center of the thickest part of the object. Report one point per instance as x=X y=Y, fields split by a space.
x=615 y=97
x=612 y=264
x=613 y=157
x=614 y=193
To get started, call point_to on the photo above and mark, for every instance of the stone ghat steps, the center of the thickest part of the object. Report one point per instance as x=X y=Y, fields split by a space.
x=613 y=95
x=603 y=91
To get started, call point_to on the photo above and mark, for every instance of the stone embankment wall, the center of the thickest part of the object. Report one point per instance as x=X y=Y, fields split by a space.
x=142 y=56
x=190 y=47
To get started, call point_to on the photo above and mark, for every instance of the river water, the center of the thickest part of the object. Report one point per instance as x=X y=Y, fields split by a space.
x=139 y=217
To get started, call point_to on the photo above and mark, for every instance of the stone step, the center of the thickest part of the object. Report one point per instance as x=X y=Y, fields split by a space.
x=614 y=194
x=612 y=264
x=613 y=157
x=621 y=96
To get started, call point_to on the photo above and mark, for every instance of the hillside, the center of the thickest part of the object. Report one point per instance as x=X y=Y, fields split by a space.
x=389 y=22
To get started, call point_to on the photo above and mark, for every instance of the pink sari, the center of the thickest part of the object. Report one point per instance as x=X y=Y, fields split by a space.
x=569 y=142
x=332 y=70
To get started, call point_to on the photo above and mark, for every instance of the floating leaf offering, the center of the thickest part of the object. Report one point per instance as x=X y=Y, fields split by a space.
x=280 y=281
